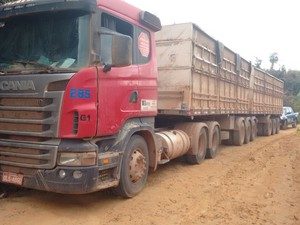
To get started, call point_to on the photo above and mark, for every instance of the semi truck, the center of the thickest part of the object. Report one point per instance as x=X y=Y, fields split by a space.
x=97 y=94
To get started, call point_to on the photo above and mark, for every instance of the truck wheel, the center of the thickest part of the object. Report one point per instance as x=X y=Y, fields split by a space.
x=199 y=144
x=239 y=135
x=135 y=167
x=267 y=128
x=248 y=130
x=274 y=125
x=212 y=152
x=253 y=130
x=277 y=125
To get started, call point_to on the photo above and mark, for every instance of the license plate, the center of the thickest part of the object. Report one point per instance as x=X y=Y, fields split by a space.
x=12 y=178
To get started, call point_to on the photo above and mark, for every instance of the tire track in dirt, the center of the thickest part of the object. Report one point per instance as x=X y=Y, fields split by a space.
x=254 y=184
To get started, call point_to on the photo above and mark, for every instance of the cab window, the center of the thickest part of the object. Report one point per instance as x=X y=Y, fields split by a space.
x=141 y=38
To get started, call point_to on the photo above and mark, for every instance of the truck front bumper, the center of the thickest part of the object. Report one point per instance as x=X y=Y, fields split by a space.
x=46 y=175
x=69 y=180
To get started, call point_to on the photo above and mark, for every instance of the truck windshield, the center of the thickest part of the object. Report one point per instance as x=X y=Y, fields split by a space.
x=44 y=42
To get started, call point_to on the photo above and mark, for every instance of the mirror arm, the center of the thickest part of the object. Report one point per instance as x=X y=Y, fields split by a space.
x=107 y=68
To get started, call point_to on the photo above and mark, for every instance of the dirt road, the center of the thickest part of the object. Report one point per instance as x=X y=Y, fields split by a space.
x=255 y=184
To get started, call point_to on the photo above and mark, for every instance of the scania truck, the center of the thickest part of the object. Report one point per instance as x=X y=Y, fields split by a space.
x=97 y=94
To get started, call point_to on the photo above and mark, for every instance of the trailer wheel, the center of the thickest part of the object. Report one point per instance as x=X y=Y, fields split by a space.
x=277 y=126
x=253 y=130
x=239 y=135
x=199 y=144
x=267 y=128
x=135 y=167
x=274 y=125
x=212 y=152
x=247 y=130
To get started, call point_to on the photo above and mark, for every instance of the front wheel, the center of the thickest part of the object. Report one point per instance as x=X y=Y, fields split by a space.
x=135 y=167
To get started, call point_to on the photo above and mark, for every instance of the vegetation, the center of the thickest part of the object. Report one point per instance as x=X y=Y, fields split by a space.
x=273 y=60
x=291 y=80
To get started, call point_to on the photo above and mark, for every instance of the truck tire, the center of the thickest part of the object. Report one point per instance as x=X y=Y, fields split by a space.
x=134 y=168
x=247 y=130
x=274 y=125
x=199 y=145
x=239 y=135
x=212 y=152
x=253 y=129
x=267 y=128
x=277 y=125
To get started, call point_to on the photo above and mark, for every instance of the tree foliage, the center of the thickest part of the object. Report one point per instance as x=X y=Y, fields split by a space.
x=273 y=59
x=291 y=80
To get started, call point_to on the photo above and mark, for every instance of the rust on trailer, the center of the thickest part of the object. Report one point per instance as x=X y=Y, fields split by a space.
x=200 y=76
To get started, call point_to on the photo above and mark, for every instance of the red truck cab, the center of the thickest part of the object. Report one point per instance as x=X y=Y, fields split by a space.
x=78 y=86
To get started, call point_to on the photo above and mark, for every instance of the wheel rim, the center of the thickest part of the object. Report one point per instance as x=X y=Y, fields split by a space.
x=137 y=166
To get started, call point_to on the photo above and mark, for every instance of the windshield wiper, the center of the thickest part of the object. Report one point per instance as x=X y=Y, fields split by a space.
x=47 y=67
x=34 y=64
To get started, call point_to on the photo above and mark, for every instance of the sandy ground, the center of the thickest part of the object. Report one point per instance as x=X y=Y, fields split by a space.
x=255 y=184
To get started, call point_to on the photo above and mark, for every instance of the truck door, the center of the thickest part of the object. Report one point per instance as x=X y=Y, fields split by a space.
x=118 y=87
x=144 y=56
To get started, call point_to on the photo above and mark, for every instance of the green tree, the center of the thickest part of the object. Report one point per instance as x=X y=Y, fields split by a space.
x=273 y=60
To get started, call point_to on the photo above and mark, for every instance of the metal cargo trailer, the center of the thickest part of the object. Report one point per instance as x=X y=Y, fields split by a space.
x=200 y=76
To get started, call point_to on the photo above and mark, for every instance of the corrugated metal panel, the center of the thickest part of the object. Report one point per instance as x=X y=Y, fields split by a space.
x=200 y=76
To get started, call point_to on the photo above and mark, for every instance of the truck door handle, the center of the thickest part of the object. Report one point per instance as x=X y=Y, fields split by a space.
x=134 y=97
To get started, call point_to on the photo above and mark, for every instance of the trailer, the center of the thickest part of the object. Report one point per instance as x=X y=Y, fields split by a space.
x=201 y=79
x=95 y=94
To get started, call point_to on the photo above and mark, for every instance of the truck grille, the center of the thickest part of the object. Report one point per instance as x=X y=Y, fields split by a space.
x=25 y=125
x=29 y=121
x=27 y=116
x=27 y=155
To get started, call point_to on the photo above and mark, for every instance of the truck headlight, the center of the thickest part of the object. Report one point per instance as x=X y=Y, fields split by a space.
x=77 y=159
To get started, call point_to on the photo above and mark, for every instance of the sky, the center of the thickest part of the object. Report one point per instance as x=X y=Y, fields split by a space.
x=252 y=28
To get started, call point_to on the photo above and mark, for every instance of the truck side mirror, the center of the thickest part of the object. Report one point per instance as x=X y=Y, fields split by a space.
x=116 y=50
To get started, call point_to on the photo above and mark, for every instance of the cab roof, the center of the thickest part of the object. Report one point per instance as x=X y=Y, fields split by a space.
x=121 y=7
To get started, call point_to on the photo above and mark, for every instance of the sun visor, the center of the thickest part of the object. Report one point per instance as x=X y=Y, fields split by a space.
x=151 y=21
x=23 y=7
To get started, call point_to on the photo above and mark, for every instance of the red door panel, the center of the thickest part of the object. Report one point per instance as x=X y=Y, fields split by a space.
x=115 y=90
